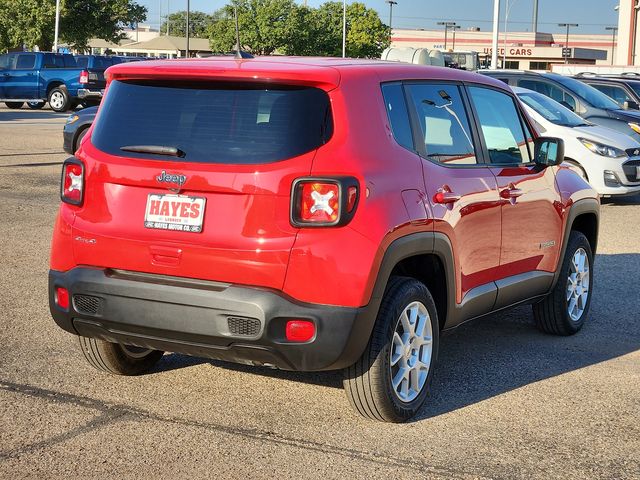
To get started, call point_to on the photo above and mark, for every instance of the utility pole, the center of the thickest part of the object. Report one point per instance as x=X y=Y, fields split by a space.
x=454 y=28
x=187 y=51
x=344 y=28
x=534 y=26
x=566 y=43
x=496 y=28
x=55 y=34
x=391 y=4
x=613 y=41
x=446 y=29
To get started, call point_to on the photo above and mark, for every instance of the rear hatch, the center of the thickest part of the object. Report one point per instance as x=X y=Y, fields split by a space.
x=193 y=178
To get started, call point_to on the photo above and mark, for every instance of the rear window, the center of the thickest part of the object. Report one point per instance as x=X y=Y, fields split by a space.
x=82 y=62
x=237 y=123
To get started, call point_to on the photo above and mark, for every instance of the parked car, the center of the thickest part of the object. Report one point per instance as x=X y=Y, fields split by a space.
x=607 y=159
x=583 y=99
x=39 y=77
x=313 y=214
x=95 y=66
x=76 y=127
x=624 y=91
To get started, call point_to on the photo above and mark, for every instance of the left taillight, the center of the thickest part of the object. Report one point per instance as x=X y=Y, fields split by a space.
x=84 y=77
x=72 y=183
x=323 y=202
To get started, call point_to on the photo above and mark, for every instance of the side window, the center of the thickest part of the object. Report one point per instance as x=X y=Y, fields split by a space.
x=501 y=125
x=444 y=124
x=5 y=62
x=398 y=116
x=25 y=62
x=617 y=93
x=82 y=62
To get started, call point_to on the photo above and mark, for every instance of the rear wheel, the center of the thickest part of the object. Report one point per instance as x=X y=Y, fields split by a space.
x=58 y=99
x=391 y=379
x=564 y=310
x=14 y=105
x=35 y=105
x=116 y=358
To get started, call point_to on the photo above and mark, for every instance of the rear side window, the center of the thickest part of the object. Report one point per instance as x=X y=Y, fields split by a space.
x=25 y=62
x=398 y=116
x=501 y=126
x=444 y=123
x=7 y=62
x=82 y=62
x=213 y=122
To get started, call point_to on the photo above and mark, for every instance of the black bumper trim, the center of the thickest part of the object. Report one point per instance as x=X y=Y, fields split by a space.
x=191 y=317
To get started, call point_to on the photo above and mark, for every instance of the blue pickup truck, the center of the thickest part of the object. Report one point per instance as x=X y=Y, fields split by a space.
x=39 y=77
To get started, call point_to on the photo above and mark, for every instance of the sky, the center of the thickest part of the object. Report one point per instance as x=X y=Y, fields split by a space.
x=592 y=15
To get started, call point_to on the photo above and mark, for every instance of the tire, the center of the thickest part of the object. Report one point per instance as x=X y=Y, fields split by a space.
x=118 y=359
x=555 y=314
x=35 y=105
x=58 y=99
x=79 y=138
x=14 y=105
x=368 y=382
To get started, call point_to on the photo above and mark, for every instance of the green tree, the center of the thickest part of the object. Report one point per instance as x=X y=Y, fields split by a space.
x=199 y=23
x=282 y=26
x=31 y=22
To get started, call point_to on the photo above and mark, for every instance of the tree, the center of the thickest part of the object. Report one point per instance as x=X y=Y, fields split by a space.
x=31 y=22
x=199 y=23
x=282 y=26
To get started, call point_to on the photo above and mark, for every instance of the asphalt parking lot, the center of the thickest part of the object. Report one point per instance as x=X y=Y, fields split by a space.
x=506 y=402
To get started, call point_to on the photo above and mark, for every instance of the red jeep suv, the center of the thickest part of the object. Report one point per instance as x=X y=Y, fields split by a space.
x=313 y=214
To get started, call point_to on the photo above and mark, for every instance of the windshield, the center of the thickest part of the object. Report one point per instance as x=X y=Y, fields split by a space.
x=212 y=122
x=592 y=96
x=551 y=110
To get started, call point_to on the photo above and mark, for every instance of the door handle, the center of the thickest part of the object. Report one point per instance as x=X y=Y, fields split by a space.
x=511 y=193
x=446 y=197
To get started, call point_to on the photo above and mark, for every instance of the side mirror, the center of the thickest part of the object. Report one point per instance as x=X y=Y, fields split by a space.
x=567 y=105
x=630 y=105
x=548 y=151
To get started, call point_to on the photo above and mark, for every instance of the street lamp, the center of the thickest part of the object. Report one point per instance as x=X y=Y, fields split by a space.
x=613 y=41
x=187 y=51
x=446 y=29
x=344 y=28
x=391 y=4
x=454 y=28
x=566 y=43
x=55 y=34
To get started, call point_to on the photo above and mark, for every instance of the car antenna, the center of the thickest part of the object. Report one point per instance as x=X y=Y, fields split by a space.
x=238 y=53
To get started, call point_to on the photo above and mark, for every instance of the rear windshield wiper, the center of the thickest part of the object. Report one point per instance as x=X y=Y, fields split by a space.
x=155 y=150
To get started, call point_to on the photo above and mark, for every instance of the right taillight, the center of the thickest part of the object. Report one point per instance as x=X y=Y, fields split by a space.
x=84 y=77
x=323 y=202
x=72 y=183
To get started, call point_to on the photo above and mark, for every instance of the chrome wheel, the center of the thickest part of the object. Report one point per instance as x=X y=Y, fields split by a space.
x=578 y=284
x=411 y=350
x=56 y=100
x=135 y=352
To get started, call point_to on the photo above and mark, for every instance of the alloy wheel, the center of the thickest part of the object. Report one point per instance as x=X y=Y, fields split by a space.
x=578 y=284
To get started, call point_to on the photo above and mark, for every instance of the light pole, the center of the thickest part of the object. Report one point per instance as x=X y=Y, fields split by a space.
x=613 y=40
x=494 y=36
x=506 y=19
x=187 y=51
x=391 y=4
x=344 y=28
x=566 y=43
x=55 y=33
x=454 y=28
x=446 y=29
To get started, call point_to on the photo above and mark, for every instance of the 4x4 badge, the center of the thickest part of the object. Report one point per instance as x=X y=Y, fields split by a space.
x=164 y=177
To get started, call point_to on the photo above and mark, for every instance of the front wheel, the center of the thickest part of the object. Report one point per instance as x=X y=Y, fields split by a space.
x=390 y=381
x=59 y=100
x=116 y=358
x=564 y=310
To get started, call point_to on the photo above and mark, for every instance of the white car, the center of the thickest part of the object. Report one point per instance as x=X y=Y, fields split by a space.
x=607 y=159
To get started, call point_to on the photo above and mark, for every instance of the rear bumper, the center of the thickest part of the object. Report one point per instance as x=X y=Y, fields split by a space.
x=209 y=319
x=86 y=93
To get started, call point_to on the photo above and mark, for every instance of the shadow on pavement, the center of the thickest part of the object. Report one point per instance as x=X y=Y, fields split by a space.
x=505 y=351
x=25 y=114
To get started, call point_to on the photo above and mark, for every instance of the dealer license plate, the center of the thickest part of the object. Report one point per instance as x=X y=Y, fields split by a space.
x=174 y=212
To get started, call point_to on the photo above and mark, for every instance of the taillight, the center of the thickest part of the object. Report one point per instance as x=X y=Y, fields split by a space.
x=323 y=202
x=72 y=183
x=62 y=297
x=300 y=330
x=84 y=77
